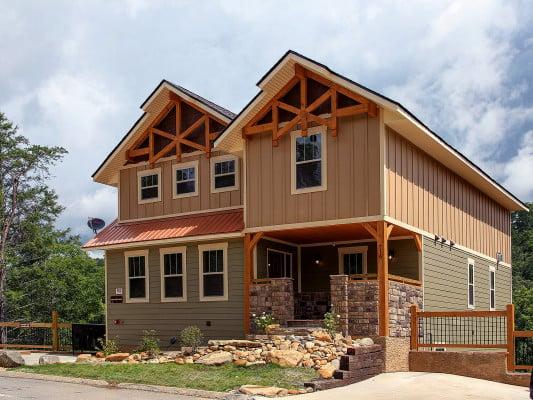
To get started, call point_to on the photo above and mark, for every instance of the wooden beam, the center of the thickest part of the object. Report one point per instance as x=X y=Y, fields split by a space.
x=153 y=158
x=288 y=107
x=352 y=110
x=252 y=130
x=250 y=241
x=275 y=125
x=389 y=230
x=370 y=229
x=138 y=152
x=414 y=326
x=510 y=338
x=334 y=112
x=418 y=242
x=207 y=137
x=163 y=133
x=287 y=128
x=191 y=144
x=319 y=101
x=178 y=130
x=383 y=278
x=193 y=127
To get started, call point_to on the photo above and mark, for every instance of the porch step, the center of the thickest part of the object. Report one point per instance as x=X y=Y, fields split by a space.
x=304 y=323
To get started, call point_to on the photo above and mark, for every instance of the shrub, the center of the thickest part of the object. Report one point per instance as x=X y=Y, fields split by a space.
x=109 y=346
x=332 y=322
x=191 y=336
x=262 y=321
x=150 y=342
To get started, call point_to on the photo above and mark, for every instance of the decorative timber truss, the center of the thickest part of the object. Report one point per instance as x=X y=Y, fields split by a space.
x=181 y=127
x=307 y=100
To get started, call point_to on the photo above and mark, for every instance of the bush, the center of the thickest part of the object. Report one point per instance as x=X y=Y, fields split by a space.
x=191 y=336
x=332 y=322
x=150 y=342
x=263 y=321
x=109 y=346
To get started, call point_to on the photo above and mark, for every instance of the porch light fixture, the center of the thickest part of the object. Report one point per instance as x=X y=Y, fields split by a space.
x=391 y=254
x=436 y=238
x=317 y=259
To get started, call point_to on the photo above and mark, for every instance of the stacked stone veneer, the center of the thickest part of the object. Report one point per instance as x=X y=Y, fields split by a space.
x=275 y=297
x=357 y=302
x=311 y=305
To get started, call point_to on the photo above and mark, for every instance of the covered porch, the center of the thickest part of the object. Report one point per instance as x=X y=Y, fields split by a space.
x=368 y=273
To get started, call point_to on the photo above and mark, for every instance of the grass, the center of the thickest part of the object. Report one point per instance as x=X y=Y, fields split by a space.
x=194 y=376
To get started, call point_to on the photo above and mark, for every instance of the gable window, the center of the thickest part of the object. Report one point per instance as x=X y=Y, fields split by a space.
x=279 y=264
x=213 y=272
x=185 y=179
x=224 y=173
x=308 y=169
x=136 y=263
x=173 y=274
x=352 y=260
x=149 y=189
x=492 y=288
x=471 y=284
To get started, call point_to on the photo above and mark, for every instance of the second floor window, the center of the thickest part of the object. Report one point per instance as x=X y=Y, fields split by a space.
x=308 y=162
x=185 y=179
x=149 y=185
x=224 y=173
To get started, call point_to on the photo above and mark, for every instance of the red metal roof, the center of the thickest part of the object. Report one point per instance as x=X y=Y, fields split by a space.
x=169 y=228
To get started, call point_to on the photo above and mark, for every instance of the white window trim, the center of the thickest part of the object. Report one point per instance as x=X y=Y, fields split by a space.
x=140 y=174
x=473 y=263
x=137 y=253
x=352 y=250
x=227 y=157
x=173 y=250
x=492 y=269
x=213 y=246
x=175 y=167
x=323 y=158
x=281 y=252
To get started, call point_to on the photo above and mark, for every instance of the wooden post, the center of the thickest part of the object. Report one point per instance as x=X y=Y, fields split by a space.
x=55 y=331
x=383 y=278
x=250 y=241
x=510 y=338
x=414 y=327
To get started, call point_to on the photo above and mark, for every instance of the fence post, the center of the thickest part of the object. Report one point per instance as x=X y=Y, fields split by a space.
x=510 y=338
x=55 y=331
x=414 y=327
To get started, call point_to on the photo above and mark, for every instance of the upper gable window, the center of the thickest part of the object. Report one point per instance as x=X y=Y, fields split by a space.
x=308 y=161
x=149 y=185
x=224 y=173
x=185 y=179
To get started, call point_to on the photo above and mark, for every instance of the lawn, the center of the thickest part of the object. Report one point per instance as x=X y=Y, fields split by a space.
x=194 y=376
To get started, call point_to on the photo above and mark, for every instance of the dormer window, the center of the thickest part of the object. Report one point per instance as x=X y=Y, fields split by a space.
x=185 y=179
x=224 y=173
x=149 y=188
x=308 y=172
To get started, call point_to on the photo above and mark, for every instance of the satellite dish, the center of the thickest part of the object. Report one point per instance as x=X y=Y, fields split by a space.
x=95 y=224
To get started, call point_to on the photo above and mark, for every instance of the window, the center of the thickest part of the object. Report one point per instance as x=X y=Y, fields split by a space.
x=492 y=288
x=471 y=287
x=224 y=173
x=136 y=276
x=185 y=179
x=173 y=274
x=352 y=260
x=213 y=272
x=308 y=161
x=279 y=264
x=149 y=185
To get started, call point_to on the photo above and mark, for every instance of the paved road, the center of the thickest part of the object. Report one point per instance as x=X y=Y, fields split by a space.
x=21 y=388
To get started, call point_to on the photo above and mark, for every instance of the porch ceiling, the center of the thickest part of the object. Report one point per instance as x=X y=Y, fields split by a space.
x=327 y=234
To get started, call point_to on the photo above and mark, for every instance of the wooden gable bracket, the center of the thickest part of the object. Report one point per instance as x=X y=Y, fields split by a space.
x=181 y=136
x=306 y=113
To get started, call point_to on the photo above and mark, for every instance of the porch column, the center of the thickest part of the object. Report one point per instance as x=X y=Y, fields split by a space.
x=250 y=241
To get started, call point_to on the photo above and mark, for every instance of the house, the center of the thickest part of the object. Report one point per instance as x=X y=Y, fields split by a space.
x=321 y=194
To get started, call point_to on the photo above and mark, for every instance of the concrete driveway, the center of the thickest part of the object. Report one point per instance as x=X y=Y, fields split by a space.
x=421 y=385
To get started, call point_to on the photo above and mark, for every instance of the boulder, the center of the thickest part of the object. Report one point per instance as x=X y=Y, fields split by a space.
x=216 y=358
x=84 y=358
x=321 y=335
x=268 y=391
x=10 y=359
x=326 y=372
x=117 y=357
x=48 y=359
x=366 y=342
x=234 y=343
x=286 y=358
x=100 y=354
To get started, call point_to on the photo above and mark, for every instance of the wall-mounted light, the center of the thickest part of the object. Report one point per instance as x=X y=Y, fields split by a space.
x=391 y=254
x=436 y=238
x=452 y=243
x=318 y=259
x=443 y=240
x=499 y=258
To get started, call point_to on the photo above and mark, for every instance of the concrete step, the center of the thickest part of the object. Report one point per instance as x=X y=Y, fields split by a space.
x=305 y=323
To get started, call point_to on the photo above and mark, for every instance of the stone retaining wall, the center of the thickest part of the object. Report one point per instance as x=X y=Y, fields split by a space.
x=275 y=297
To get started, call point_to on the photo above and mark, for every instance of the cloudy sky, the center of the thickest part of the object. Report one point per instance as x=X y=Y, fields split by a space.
x=74 y=73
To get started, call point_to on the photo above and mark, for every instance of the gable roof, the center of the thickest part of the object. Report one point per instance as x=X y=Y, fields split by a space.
x=151 y=106
x=396 y=116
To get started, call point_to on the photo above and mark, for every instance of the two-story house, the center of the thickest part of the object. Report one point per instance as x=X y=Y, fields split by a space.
x=320 y=194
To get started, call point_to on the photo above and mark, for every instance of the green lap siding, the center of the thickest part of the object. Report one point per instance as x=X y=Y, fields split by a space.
x=225 y=317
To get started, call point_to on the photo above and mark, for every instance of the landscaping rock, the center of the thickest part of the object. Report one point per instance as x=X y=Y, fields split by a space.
x=100 y=354
x=117 y=357
x=84 y=358
x=49 y=359
x=10 y=359
x=326 y=372
x=268 y=391
x=234 y=343
x=286 y=358
x=321 y=335
x=215 y=358
x=366 y=342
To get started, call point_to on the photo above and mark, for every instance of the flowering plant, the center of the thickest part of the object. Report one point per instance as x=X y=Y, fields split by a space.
x=332 y=322
x=263 y=320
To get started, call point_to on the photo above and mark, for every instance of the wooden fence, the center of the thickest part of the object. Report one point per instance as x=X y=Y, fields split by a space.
x=53 y=326
x=473 y=330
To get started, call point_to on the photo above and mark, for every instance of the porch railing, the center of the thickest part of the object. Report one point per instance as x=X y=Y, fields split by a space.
x=395 y=278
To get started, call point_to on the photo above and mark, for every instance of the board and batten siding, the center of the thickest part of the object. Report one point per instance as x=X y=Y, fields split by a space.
x=425 y=194
x=445 y=273
x=129 y=208
x=352 y=177
x=226 y=317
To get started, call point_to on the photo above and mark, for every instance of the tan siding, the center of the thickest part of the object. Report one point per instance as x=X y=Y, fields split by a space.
x=130 y=209
x=352 y=170
x=167 y=318
x=425 y=194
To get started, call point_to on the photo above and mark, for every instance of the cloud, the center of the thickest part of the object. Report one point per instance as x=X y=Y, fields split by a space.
x=518 y=169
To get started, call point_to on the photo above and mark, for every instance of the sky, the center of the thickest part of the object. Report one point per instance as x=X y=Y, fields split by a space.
x=74 y=73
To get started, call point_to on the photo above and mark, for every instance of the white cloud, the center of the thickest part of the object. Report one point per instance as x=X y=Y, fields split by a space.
x=518 y=170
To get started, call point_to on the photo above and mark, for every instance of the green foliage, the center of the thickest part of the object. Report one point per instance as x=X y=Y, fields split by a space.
x=332 y=322
x=262 y=321
x=150 y=342
x=108 y=347
x=191 y=336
